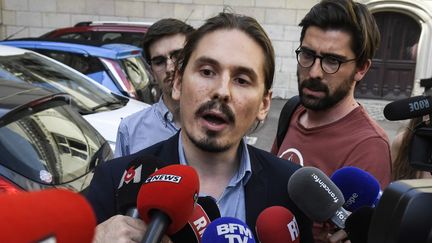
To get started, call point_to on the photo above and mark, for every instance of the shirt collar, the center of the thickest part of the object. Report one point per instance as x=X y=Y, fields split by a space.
x=163 y=110
x=244 y=171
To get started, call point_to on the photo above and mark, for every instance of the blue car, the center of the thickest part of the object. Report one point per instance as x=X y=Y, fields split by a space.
x=119 y=67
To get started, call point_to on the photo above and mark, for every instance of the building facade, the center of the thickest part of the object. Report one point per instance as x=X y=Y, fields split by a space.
x=403 y=59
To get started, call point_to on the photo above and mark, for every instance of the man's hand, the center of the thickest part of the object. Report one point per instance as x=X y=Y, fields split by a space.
x=339 y=236
x=121 y=228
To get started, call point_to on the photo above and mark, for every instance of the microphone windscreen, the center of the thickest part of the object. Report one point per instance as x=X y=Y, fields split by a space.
x=412 y=107
x=357 y=225
x=358 y=187
x=135 y=174
x=57 y=215
x=172 y=190
x=314 y=193
x=277 y=224
x=206 y=210
x=227 y=230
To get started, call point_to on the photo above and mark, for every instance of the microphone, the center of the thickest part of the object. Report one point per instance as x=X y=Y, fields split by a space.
x=277 y=224
x=357 y=224
x=166 y=200
x=136 y=173
x=228 y=230
x=317 y=196
x=358 y=187
x=205 y=211
x=412 y=107
x=54 y=215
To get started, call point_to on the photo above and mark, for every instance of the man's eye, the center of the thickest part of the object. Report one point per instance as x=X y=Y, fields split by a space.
x=307 y=55
x=158 y=61
x=175 y=54
x=242 y=81
x=331 y=60
x=206 y=72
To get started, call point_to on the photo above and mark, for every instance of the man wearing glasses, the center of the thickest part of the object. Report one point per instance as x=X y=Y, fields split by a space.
x=162 y=43
x=329 y=129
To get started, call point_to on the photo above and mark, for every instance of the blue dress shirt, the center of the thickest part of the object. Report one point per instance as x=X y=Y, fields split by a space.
x=232 y=201
x=144 y=128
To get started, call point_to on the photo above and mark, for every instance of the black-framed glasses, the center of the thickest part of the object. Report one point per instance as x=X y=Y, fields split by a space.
x=159 y=63
x=329 y=64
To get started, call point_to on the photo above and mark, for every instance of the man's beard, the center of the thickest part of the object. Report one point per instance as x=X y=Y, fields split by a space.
x=167 y=84
x=329 y=100
x=209 y=143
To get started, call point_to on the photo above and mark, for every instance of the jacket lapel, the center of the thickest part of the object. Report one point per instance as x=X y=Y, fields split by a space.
x=169 y=152
x=255 y=190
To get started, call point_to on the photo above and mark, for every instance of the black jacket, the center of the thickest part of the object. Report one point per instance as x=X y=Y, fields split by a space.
x=266 y=187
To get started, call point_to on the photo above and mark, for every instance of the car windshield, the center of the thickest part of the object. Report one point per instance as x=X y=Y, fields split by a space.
x=52 y=146
x=37 y=70
x=136 y=73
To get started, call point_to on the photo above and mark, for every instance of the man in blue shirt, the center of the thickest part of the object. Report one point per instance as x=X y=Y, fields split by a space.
x=223 y=83
x=162 y=44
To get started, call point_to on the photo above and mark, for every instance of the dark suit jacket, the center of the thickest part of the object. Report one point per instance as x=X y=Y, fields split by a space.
x=266 y=187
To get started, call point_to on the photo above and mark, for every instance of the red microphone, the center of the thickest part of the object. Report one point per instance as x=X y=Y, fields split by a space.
x=57 y=215
x=166 y=200
x=277 y=224
x=206 y=210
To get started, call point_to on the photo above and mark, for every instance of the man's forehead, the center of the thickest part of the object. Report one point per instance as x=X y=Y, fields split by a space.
x=231 y=47
x=166 y=44
x=327 y=40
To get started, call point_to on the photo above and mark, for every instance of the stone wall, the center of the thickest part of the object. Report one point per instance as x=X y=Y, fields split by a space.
x=30 y=18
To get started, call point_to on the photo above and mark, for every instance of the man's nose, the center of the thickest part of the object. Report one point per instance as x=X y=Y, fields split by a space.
x=222 y=89
x=315 y=71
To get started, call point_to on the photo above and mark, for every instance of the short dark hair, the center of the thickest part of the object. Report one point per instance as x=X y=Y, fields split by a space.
x=351 y=17
x=163 y=28
x=232 y=21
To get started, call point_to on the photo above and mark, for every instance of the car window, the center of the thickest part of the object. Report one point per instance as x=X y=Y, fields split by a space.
x=76 y=36
x=130 y=38
x=79 y=62
x=32 y=68
x=138 y=75
x=53 y=146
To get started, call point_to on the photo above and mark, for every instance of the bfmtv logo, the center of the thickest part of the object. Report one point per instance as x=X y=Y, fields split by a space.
x=235 y=233
x=131 y=174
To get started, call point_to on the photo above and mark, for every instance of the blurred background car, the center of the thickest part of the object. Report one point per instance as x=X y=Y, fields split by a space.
x=103 y=32
x=44 y=142
x=119 y=67
x=99 y=106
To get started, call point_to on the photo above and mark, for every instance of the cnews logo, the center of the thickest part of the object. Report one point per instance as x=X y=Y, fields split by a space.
x=164 y=178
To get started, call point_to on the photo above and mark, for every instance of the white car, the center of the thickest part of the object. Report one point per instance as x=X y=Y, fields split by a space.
x=98 y=105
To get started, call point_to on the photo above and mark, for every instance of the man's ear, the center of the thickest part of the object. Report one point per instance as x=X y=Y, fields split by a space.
x=265 y=106
x=176 y=91
x=362 y=70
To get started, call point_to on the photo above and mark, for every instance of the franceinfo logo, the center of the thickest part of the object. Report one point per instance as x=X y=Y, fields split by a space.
x=318 y=180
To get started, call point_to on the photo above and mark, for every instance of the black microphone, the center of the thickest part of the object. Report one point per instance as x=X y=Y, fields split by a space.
x=408 y=108
x=357 y=224
x=317 y=196
x=133 y=177
x=206 y=210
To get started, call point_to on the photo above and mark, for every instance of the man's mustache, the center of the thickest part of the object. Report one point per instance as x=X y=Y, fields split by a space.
x=314 y=84
x=217 y=105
